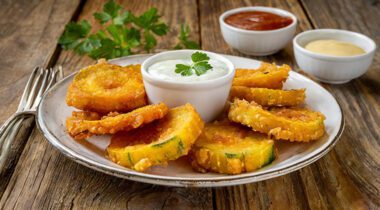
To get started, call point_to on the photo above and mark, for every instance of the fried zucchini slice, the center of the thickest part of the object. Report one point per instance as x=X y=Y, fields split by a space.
x=230 y=148
x=159 y=142
x=84 y=124
x=267 y=76
x=105 y=88
x=293 y=124
x=269 y=97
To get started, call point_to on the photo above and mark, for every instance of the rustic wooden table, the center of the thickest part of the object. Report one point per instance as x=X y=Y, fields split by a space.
x=39 y=177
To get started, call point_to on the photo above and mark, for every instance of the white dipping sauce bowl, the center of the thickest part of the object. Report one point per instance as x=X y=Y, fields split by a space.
x=258 y=43
x=209 y=97
x=333 y=69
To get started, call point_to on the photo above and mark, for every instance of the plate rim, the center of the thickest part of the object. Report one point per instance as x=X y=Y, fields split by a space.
x=182 y=182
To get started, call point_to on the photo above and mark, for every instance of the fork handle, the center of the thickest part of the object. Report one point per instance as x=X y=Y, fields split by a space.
x=8 y=123
x=7 y=133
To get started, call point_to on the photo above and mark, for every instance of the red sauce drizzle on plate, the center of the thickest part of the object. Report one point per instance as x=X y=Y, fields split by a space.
x=258 y=21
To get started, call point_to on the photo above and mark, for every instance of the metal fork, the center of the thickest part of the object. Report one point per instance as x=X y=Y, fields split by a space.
x=39 y=82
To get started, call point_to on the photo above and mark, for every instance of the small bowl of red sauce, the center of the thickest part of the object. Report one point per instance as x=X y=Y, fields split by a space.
x=258 y=31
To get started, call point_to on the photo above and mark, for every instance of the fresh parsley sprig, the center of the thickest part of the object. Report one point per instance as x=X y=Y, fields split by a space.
x=122 y=33
x=199 y=65
x=184 y=41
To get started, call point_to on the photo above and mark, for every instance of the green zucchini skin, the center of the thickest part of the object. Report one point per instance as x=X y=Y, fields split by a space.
x=231 y=149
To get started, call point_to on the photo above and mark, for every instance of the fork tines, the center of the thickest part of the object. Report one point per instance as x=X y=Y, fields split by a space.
x=39 y=81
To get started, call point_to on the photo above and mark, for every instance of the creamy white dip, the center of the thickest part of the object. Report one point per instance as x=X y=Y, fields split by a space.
x=166 y=70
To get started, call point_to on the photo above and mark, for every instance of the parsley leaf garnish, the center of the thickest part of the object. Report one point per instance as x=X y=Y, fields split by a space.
x=184 y=41
x=183 y=69
x=122 y=33
x=102 y=17
x=199 y=56
x=74 y=35
x=200 y=65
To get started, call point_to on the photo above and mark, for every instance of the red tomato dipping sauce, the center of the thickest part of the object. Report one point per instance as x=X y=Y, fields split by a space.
x=258 y=21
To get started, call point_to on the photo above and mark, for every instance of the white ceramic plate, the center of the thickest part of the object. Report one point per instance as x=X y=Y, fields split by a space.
x=53 y=111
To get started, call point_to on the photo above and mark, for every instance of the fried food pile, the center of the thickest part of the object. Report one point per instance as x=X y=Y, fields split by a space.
x=261 y=104
x=112 y=100
x=260 y=113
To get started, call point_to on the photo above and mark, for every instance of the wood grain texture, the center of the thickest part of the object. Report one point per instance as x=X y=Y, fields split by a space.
x=346 y=178
x=45 y=179
x=332 y=182
x=358 y=150
x=28 y=37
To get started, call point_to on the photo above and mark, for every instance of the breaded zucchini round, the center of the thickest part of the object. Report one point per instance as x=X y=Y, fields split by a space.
x=105 y=88
x=267 y=76
x=230 y=148
x=269 y=97
x=159 y=142
x=84 y=124
x=294 y=124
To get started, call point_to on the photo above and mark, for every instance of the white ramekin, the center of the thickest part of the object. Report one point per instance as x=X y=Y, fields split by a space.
x=208 y=97
x=333 y=69
x=259 y=43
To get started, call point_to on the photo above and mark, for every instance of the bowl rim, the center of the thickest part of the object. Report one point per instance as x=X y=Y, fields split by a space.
x=333 y=57
x=274 y=10
x=216 y=82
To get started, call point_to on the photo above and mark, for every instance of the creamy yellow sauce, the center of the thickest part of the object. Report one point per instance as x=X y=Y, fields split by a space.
x=334 y=47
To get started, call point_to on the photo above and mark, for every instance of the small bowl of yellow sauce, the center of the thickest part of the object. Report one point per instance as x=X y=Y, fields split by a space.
x=333 y=56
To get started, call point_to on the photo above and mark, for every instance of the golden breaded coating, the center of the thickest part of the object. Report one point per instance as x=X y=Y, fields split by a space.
x=84 y=124
x=158 y=142
x=269 y=97
x=230 y=148
x=267 y=76
x=293 y=124
x=105 y=88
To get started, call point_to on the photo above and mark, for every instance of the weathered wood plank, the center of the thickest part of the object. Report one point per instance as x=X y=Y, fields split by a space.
x=358 y=150
x=344 y=179
x=45 y=179
x=332 y=182
x=28 y=34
